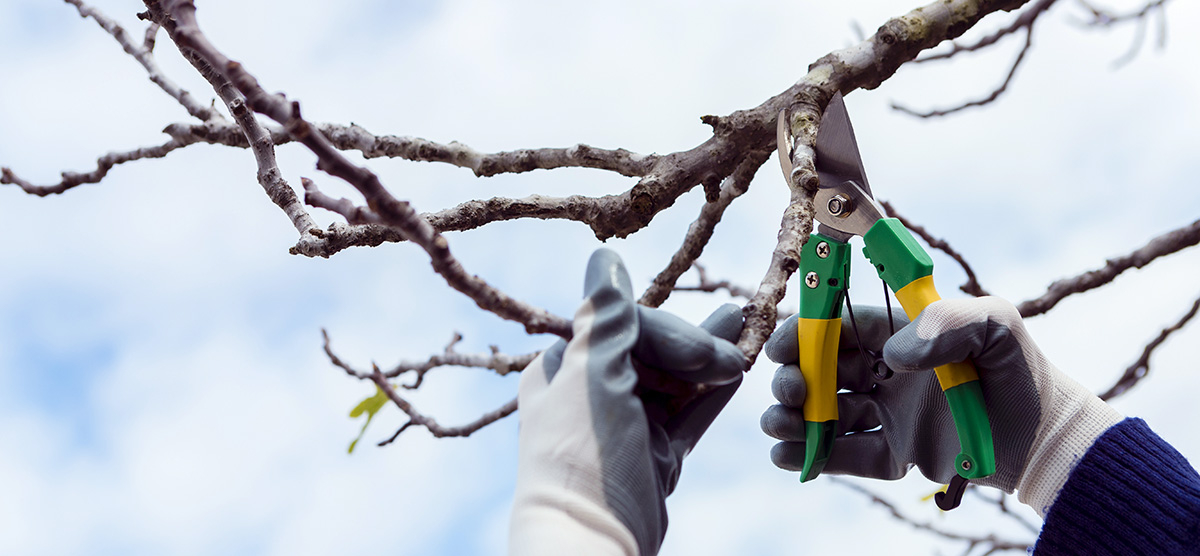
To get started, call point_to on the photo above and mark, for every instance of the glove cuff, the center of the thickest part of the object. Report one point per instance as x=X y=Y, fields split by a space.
x=1074 y=421
x=552 y=521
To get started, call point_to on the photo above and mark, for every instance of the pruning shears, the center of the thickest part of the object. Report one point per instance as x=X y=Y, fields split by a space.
x=846 y=208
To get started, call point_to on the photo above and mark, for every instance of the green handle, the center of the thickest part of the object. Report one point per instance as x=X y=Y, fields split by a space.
x=908 y=270
x=824 y=276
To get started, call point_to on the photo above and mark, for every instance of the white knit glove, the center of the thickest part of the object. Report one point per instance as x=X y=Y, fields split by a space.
x=598 y=456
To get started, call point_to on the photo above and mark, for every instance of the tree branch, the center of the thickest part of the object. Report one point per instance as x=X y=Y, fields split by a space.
x=1170 y=242
x=143 y=54
x=415 y=417
x=496 y=361
x=701 y=231
x=993 y=543
x=1023 y=21
x=178 y=18
x=103 y=165
x=972 y=285
x=1140 y=368
x=983 y=101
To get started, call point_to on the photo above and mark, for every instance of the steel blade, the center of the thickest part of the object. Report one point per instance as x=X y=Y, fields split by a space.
x=838 y=159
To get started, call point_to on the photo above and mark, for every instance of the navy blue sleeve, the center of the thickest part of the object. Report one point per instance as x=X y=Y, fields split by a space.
x=1131 y=493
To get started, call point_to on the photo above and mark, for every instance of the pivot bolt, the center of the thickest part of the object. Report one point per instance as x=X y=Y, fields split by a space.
x=812 y=280
x=823 y=249
x=839 y=206
x=966 y=465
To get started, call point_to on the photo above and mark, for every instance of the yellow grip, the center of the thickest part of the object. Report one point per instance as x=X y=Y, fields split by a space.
x=818 y=363
x=914 y=297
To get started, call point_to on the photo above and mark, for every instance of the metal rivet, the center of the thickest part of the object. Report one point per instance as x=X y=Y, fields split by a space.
x=812 y=280
x=966 y=465
x=839 y=206
x=823 y=249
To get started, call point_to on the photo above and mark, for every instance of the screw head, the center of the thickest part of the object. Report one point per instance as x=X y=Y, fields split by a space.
x=966 y=465
x=812 y=280
x=823 y=249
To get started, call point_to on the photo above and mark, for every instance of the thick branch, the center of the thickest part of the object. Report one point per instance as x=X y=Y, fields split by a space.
x=972 y=285
x=183 y=29
x=1141 y=367
x=1170 y=242
x=761 y=311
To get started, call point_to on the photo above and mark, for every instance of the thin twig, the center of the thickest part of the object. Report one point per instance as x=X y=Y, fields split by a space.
x=1140 y=368
x=701 y=230
x=1001 y=502
x=143 y=53
x=1166 y=244
x=972 y=285
x=103 y=165
x=709 y=285
x=415 y=417
x=993 y=543
x=983 y=101
x=1023 y=21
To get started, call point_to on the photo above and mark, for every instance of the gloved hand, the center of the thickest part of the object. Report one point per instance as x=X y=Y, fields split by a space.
x=597 y=460
x=1042 y=421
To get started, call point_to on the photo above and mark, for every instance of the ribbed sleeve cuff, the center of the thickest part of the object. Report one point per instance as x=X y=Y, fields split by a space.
x=1132 y=493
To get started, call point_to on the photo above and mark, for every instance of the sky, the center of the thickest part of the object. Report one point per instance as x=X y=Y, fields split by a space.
x=162 y=384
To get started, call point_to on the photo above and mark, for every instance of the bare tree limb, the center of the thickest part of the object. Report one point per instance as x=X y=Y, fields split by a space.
x=1170 y=242
x=701 y=231
x=436 y=429
x=983 y=101
x=972 y=285
x=1023 y=21
x=415 y=417
x=177 y=17
x=992 y=542
x=103 y=165
x=1140 y=368
x=496 y=361
x=1105 y=18
x=709 y=285
x=143 y=54
x=1001 y=502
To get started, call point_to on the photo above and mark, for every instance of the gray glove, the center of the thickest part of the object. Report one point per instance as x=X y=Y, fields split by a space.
x=598 y=456
x=1042 y=421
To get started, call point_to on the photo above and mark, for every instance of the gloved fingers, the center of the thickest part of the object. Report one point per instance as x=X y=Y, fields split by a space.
x=854 y=372
x=687 y=426
x=856 y=413
x=668 y=343
x=725 y=323
x=788 y=386
x=948 y=331
x=784 y=346
x=606 y=324
x=873 y=329
x=783 y=423
x=865 y=454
